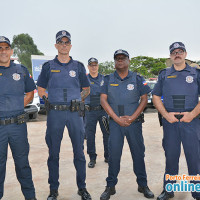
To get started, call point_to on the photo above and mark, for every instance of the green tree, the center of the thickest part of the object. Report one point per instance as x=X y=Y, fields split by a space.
x=106 y=67
x=24 y=47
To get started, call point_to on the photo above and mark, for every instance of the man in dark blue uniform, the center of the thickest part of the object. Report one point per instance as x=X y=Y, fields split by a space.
x=15 y=82
x=180 y=86
x=64 y=78
x=94 y=113
x=124 y=97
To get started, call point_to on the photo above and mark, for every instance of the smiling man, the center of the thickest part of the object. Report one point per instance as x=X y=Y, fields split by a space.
x=64 y=78
x=14 y=82
x=180 y=86
x=124 y=97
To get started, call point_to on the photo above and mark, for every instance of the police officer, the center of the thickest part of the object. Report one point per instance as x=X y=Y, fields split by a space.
x=180 y=86
x=94 y=113
x=64 y=78
x=124 y=97
x=15 y=82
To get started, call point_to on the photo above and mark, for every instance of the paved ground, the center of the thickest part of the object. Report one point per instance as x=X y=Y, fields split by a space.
x=126 y=187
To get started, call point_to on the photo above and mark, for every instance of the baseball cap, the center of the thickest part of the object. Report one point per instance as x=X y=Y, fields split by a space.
x=91 y=60
x=62 y=34
x=177 y=45
x=121 y=51
x=4 y=39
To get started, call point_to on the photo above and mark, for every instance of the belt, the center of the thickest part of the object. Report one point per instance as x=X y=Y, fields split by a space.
x=59 y=107
x=90 y=108
x=20 y=119
x=178 y=116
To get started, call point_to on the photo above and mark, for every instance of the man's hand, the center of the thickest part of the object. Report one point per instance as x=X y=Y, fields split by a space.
x=124 y=121
x=171 y=118
x=187 y=117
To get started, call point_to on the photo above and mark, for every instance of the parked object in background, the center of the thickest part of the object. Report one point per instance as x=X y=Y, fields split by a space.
x=33 y=107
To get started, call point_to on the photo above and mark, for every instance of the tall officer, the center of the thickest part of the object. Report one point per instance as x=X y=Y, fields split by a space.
x=15 y=82
x=124 y=97
x=64 y=78
x=180 y=86
x=94 y=113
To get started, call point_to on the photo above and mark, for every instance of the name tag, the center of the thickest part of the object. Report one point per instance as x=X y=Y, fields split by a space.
x=114 y=84
x=92 y=82
x=53 y=70
x=1 y=74
x=172 y=76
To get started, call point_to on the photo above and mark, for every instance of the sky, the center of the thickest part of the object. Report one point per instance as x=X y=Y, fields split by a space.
x=99 y=27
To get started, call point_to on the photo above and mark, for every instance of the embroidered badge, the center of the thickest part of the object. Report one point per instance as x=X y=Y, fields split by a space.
x=53 y=70
x=72 y=73
x=102 y=82
x=16 y=76
x=172 y=76
x=189 y=79
x=114 y=84
x=130 y=87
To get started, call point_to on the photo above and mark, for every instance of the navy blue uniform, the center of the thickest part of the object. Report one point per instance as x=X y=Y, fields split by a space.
x=95 y=115
x=123 y=97
x=15 y=81
x=180 y=90
x=64 y=82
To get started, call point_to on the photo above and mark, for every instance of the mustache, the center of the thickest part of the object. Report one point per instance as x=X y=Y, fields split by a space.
x=177 y=57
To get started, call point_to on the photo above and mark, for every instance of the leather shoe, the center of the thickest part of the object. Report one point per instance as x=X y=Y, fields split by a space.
x=165 y=195
x=146 y=191
x=53 y=195
x=84 y=194
x=92 y=163
x=107 y=193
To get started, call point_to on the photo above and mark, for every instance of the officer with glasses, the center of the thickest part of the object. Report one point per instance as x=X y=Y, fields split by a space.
x=68 y=87
x=15 y=81
x=180 y=86
x=124 y=97
x=95 y=113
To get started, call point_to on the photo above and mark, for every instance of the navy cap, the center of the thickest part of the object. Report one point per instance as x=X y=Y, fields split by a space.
x=62 y=34
x=4 y=40
x=121 y=51
x=91 y=60
x=177 y=45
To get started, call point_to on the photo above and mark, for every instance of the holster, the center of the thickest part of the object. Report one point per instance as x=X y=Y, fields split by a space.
x=79 y=106
x=160 y=118
x=140 y=118
x=46 y=103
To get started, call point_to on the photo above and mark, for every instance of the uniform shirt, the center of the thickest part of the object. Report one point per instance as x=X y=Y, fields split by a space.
x=143 y=88
x=44 y=75
x=158 y=88
x=29 y=86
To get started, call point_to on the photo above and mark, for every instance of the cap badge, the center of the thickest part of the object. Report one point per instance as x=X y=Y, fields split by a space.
x=2 y=39
x=176 y=45
x=64 y=33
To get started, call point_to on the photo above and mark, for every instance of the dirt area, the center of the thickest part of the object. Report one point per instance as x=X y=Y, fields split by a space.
x=126 y=187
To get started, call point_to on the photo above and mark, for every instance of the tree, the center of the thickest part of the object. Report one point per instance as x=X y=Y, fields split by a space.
x=24 y=47
x=144 y=65
x=106 y=67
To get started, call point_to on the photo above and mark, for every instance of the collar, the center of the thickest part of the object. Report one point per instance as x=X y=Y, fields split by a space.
x=62 y=64
x=187 y=68
x=11 y=64
x=118 y=77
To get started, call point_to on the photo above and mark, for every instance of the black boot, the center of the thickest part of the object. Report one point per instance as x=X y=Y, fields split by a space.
x=165 y=195
x=29 y=199
x=53 y=195
x=84 y=194
x=92 y=163
x=146 y=191
x=107 y=193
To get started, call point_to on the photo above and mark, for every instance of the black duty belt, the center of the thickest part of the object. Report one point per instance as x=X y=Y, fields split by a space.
x=20 y=119
x=59 y=107
x=90 y=108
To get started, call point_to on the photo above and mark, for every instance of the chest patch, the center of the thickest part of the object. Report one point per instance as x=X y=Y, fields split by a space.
x=53 y=70
x=189 y=79
x=16 y=77
x=72 y=73
x=92 y=82
x=102 y=82
x=112 y=84
x=130 y=87
x=172 y=76
x=1 y=74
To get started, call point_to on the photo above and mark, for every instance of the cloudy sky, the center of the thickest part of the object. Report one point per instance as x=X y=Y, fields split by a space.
x=99 y=27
